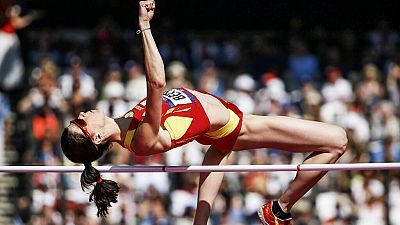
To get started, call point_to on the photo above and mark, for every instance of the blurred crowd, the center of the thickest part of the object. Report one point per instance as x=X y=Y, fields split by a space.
x=346 y=78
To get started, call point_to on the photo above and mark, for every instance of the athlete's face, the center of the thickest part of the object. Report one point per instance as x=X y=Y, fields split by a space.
x=95 y=120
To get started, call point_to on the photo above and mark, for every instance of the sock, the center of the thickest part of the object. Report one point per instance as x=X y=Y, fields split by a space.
x=278 y=212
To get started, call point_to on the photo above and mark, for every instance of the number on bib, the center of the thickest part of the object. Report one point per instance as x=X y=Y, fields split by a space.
x=176 y=97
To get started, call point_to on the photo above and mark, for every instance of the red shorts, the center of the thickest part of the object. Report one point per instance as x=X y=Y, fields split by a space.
x=226 y=143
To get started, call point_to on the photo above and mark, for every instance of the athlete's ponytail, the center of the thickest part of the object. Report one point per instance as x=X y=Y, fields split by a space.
x=104 y=192
x=79 y=149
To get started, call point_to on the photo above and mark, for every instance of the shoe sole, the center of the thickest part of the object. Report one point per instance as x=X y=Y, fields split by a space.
x=261 y=217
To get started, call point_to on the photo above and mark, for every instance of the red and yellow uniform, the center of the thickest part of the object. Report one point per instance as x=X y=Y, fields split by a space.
x=224 y=138
x=185 y=120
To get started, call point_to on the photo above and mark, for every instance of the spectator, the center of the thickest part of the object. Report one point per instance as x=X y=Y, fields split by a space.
x=44 y=48
x=44 y=106
x=77 y=87
x=272 y=98
x=135 y=89
x=4 y=116
x=242 y=94
x=210 y=80
x=112 y=102
x=334 y=112
x=183 y=198
x=393 y=83
x=371 y=213
x=302 y=65
x=383 y=39
x=230 y=53
x=333 y=206
x=177 y=75
x=336 y=88
x=356 y=121
x=158 y=214
x=236 y=215
x=156 y=182
x=190 y=154
x=11 y=65
x=370 y=90
x=312 y=100
x=45 y=90
x=394 y=201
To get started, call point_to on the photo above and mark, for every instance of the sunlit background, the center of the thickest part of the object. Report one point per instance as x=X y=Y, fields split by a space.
x=330 y=61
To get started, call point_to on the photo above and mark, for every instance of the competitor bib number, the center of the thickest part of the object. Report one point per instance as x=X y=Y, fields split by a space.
x=176 y=97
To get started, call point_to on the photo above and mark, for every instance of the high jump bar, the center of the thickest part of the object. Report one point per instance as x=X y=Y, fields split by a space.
x=197 y=169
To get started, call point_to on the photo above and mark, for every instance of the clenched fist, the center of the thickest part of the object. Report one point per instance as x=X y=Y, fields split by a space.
x=146 y=12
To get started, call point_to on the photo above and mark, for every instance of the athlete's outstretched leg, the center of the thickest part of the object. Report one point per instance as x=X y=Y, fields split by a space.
x=326 y=141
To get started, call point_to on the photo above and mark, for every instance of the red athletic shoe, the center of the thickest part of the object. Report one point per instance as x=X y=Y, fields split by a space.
x=268 y=218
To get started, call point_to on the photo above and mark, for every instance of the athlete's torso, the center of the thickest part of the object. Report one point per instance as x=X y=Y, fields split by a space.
x=185 y=115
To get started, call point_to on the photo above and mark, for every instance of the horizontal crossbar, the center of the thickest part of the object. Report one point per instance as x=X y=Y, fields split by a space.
x=196 y=169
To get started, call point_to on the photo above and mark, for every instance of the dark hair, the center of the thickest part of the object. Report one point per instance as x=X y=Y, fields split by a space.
x=80 y=149
x=104 y=191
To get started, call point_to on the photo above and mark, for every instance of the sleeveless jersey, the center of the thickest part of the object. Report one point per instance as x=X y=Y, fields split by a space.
x=182 y=116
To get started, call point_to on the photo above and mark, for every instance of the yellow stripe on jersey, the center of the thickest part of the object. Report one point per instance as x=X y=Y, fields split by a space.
x=228 y=128
x=177 y=126
x=128 y=139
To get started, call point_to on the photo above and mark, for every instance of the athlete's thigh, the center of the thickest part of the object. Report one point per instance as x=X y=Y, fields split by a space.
x=288 y=133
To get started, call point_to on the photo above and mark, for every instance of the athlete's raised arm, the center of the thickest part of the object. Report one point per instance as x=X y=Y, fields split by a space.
x=147 y=135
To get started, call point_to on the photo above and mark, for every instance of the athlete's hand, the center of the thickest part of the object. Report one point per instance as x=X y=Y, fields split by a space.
x=146 y=13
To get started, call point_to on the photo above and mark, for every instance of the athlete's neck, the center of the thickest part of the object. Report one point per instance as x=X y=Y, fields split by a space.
x=112 y=130
x=119 y=128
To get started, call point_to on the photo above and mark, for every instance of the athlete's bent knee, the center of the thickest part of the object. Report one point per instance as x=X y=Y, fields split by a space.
x=340 y=141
